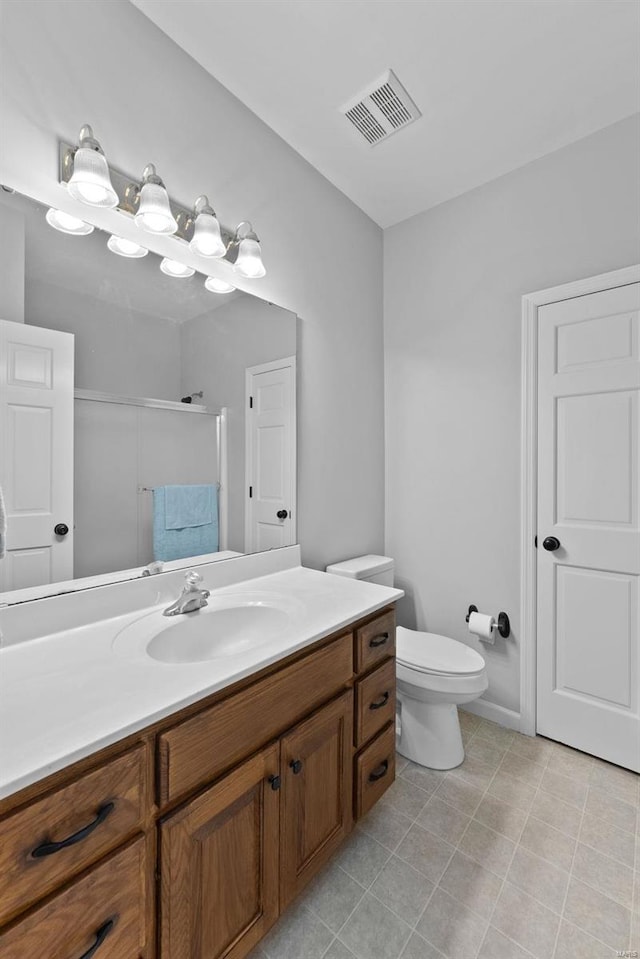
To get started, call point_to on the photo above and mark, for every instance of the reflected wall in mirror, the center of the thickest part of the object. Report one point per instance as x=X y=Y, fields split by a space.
x=104 y=466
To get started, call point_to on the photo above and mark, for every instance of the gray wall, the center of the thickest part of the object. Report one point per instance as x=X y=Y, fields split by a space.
x=216 y=350
x=454 y=278
x=324 y=256
x=12 y=245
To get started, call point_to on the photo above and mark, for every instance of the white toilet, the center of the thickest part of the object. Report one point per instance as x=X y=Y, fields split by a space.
x=435 y=675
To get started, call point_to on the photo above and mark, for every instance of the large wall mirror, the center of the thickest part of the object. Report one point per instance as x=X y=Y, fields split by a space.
x=142 y=417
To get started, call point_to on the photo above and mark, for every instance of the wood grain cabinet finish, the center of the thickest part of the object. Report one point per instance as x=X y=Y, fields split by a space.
x=194 y=752
x=375 y=770
x=102 y=915
x=219 y=855
x=316 y=811
x=375 y=701
x=55 y=838
x=375 y=640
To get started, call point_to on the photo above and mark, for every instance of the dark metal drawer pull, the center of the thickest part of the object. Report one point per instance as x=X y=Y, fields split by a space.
x=101 y=935
x=378 y=640
x=48 y=848
x=379 y=772
x=381 y=702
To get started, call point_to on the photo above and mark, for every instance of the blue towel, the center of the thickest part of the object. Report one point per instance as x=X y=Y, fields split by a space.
x=188 y=506
x=169 y=544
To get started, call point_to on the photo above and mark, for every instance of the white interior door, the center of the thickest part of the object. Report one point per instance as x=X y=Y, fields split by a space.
x=36 y=446
x=588 y=490
x=271 y=455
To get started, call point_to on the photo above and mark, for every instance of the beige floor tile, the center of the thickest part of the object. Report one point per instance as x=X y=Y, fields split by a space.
x=569 y=790
x=402 y=889
x=602 y=803
x=573 y=943
x=419 y=948
x=452 y=928
x=606 y=875
x=386 y=825
x=427 y=779
x=556 y=813
x=487 y=847
x=443 y=820
x=460 y=794
x=425 y=852
x=549 y=843
x=485 y=751
x=374 y=932
x=333 y=895
x=338 y=951
x=405 y=798
x=571 y=763
x=526 y=921
x=467 y=720
x=526 y=770
x=299 y=932
x=474 y=772
x=539 y=878
x=623 y=783
x=607 y=839
x=598 y=915
x=512 y=790
x=501 y=816
x=531 y=747
x=361 y=857
x=497 y=946
x=401 y=762
x=494 y=733
x=471 y=884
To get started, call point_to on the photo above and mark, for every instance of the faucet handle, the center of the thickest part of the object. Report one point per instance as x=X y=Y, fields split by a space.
x=193 y=578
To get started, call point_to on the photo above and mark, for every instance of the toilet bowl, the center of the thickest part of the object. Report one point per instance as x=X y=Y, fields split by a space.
x=435 y=674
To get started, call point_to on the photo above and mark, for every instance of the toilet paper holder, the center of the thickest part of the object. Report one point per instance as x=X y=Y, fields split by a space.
x=502 y=625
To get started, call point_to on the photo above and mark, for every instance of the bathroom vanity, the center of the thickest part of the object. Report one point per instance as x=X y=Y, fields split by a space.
x=189 y=836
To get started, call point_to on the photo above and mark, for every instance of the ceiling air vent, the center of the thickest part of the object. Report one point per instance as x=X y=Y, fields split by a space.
x=382 y=109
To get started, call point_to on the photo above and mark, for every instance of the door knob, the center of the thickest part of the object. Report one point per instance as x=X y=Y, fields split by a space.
x=61 y=529
x=282 y=514
x=551 y=544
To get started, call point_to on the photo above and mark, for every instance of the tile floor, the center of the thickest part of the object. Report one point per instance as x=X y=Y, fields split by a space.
x=528 y=849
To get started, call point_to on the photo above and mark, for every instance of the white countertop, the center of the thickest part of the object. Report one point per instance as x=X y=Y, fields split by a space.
x=67 y=694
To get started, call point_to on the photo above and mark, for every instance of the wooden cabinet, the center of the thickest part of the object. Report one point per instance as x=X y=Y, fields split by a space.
x=219 y=814
x=316 y=811
x=219 y=865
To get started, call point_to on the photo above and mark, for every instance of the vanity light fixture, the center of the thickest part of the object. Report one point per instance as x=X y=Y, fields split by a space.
x=90 y=181
x=67 y=223
x=214 y=285
x=207 y=237
x=249 y=257
x=124 y=247
x=173 y=268
x=154 y=211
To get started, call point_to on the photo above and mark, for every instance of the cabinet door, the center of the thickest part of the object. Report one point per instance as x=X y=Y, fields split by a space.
x=316 y=805
x=219 y=865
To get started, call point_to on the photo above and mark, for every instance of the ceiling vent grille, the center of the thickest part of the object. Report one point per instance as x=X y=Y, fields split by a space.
x=383 y=108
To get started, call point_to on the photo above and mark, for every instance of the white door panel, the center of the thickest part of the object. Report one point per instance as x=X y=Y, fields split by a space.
x=588 y=492
x=36 y=447
x=270 y=455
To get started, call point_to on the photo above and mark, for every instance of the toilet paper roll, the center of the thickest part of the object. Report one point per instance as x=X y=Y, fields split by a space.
x=482 y=625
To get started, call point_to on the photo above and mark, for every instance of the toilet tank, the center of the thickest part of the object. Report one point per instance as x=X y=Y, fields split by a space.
x=372 y=569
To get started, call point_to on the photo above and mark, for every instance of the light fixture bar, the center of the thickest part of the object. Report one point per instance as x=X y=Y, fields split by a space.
x=128 y=189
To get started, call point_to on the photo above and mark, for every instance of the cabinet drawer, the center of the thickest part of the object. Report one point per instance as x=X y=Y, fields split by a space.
x=375 y=640
x=104 y=911
x=375 y=701
x=202 y=748
x=55 y=838
x=375 y=770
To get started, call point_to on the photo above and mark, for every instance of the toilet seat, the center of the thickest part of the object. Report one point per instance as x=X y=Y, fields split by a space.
x=431 y=653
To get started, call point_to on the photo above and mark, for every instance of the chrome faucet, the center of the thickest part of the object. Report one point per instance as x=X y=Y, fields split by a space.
x=191 y=597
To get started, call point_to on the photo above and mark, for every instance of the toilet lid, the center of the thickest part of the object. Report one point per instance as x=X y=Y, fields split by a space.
x=431 y=653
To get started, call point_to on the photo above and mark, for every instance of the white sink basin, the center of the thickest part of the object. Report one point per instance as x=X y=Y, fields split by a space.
x=230 y=625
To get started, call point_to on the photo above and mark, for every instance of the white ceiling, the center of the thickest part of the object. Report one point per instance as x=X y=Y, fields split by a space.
x=499 y=82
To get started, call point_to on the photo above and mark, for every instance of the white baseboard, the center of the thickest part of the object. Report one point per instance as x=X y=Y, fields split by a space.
x=496 y=714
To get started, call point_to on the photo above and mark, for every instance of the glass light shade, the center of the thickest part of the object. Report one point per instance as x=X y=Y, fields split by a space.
x=90 y=181
x=214 y=285
x=67 y=223
x=173 y=268
x=207 y=239
x=123 y=247
x=154 y=213
x=249 y=261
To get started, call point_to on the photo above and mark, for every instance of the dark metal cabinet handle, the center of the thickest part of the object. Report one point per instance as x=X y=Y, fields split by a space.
x=274 y=782
x=101 y=935
x=381 y=771
x=296 y=765
x=381 y=702
x=378 y=640
x=61 y=529
x=551 y=544
x=48 y=848
x=282 y=514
